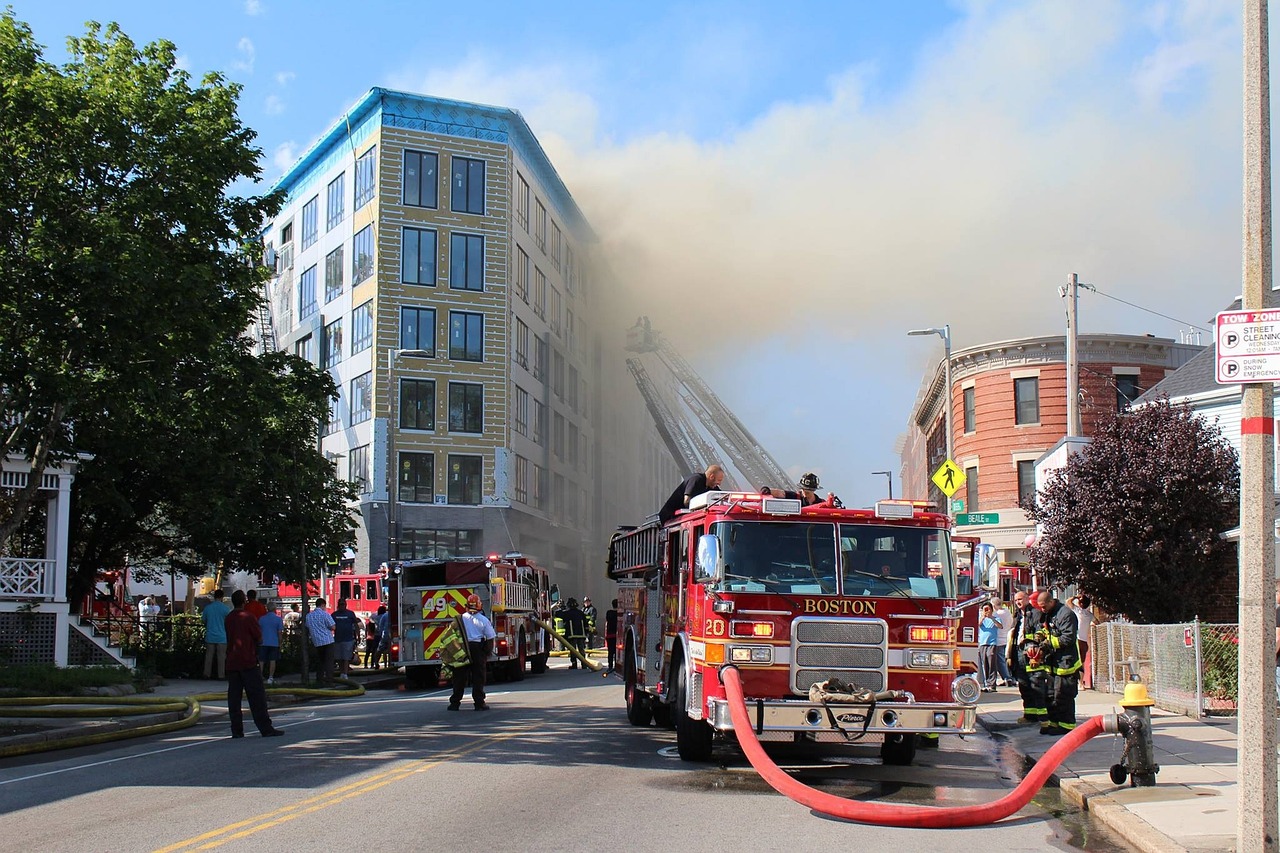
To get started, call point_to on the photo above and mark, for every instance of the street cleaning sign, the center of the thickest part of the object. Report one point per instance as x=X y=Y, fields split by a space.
x=1248 y=347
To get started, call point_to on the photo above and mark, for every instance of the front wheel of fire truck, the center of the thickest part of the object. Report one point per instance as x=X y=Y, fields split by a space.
x=693 y=737
x=517 y=665
x=639 y=711
x=899 y=749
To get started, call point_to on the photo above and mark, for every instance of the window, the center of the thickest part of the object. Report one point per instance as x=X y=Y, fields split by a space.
x=333 y=275
x=307 y=293
x=466 y=262
x=310 y=221
x=466 y=407
x=335 y=202
x=417 y=478
x=555 y=245
x=418 y=256
x=522 y=202
x=1026 y=482
x=305 y=348
x=420 y=186
x=539 y=487
x=1127 y=390
x=521 y=355
x=365 y=177
x=418 y=329
x=362 y=327
x=539 y=358
x=571 y=445
x=557 y=435
x=571 y=388
x=568 y=331
x=334 y=423
x=417 y=404
x=970 y=416
x=539 y=293
x=466 y=336
x=557 y=374
x=418 y=544
x=464 y=479
x=362 y=255
x=361 y=398
x=569 y=284
x=554 y=320
x=1026 y=400
x=358 y=469
x=971 y=489
x=521 y=477
x=468 y=185
x=539 y=422
x=286 y=234
x=522 y=275
x=520 y=422
x=540 y=225
x=331 y=344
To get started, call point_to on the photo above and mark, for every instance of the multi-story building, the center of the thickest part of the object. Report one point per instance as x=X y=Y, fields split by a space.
x=1009 y=407
x=430 y=257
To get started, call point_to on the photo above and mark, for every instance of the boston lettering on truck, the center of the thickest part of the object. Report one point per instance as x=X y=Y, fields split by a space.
x=424 y=596
x=792 y=597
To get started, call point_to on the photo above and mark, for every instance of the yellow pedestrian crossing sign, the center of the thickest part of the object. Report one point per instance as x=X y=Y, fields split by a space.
x=949 y=478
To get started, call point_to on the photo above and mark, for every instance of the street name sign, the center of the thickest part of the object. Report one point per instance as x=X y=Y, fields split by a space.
x=1248 y=347
x=970 y=518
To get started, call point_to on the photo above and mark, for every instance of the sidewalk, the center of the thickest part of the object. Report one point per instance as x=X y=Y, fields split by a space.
x=1193 y=806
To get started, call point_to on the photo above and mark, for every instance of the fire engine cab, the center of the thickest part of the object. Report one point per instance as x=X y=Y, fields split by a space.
x=792 y=597
x=425 y=596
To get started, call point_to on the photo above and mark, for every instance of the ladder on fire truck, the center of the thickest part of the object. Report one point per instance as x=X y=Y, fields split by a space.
x=687 y=412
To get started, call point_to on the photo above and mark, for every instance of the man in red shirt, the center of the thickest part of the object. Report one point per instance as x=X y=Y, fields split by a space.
x=253 y=606
x=244 y=678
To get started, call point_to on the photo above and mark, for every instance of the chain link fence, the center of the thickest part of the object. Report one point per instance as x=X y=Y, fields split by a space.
x=1190 y=668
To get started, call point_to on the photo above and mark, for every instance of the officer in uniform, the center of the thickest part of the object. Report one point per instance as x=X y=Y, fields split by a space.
x=1058 y=648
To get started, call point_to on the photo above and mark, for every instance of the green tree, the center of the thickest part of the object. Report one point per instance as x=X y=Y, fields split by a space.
x=1135 y=518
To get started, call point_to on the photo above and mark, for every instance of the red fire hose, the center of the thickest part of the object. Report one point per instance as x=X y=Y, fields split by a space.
x=884 y=814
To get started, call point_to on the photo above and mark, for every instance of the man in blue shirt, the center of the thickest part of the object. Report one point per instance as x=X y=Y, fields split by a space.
x=271 y=625
x=214 y=617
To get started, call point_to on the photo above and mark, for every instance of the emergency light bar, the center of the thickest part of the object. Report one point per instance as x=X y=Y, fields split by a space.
x=893 y=509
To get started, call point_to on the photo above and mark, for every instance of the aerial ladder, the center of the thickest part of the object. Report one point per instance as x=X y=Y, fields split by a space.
x=697 y=410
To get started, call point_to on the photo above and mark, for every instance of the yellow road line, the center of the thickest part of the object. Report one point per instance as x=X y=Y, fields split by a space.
x=271 y=819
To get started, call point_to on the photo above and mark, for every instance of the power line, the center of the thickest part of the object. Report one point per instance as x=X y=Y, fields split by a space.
x=1141 y=308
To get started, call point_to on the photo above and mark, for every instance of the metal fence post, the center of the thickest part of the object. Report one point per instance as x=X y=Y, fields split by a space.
x=1200 y=703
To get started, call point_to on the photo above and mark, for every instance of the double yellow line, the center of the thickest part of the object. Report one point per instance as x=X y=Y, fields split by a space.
x=267 y=820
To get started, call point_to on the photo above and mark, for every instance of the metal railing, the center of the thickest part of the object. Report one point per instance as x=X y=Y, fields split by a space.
x=1189 y=668
x=27 y=579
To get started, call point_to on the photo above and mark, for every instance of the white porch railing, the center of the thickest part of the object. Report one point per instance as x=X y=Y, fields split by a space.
x=24 y=578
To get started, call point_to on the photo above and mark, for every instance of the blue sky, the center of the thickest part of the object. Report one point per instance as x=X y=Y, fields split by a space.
x=788 y=188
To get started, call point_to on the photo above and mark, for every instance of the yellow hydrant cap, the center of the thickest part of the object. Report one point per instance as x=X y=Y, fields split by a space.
x=1135 y=695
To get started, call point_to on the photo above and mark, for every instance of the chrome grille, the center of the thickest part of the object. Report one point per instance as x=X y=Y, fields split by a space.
x=860 y=632
x=853 y=650
x=866 y=679
x=858 y=657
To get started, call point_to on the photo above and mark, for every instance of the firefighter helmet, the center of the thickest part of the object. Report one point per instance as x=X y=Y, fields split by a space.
x=473 y=600
x=809 y=482
x=573 y=602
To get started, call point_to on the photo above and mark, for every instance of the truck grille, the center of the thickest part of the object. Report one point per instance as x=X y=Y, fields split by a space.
x=853 y=650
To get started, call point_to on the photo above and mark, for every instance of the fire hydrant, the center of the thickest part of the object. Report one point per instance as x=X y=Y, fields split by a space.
x=1138 y=762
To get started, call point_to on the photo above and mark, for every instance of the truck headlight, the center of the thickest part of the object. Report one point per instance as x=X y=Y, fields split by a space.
x=751 y=654
x=926 y=659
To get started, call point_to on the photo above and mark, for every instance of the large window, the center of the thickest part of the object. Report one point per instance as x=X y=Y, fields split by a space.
x=417 y=480
x=331 y=344
x=466 y=262
x=418 y=329
x=539 y=293
x=333 y=275
x=335 y=199
x=362 y=327
x=468 y=185
x=553 y=320
x=418 y=256
x=554 y=249
x=465 y=474
x=539 y=358
x=520 y=423
x=971 y=489
x=540 y=225
x=310 y=221
x=1127 y=390
x=1026 y=482
x=522 y=275
x=466 y=336
x=307 y=304
x=362 y=255
x=539 y=487
x=557 y=435
x=970 y=415
x=522 y=202
x=420 y=185
x=361 y=398
x=569 y=269
x=571 y=445
x=557 y=374
x=1026 y=400
x=521 y=477
x=521 y=351
x=417 y=404
x=571 y=388
x=334 y=423
x=305 y=348
x=539 y=422
x=416 y=544
x=466 y=407
x=358 y=468
x=366 y=177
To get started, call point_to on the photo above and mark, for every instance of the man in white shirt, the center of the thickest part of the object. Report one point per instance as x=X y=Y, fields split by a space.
x=1081 y=606
x=480 y=637
x=1005 y=618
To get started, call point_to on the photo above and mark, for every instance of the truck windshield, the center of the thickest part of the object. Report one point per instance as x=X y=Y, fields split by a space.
x=771 y=556
x=911 y=562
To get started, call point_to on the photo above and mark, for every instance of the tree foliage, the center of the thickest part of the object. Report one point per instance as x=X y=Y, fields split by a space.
x=1135 y=519
x=130 y=274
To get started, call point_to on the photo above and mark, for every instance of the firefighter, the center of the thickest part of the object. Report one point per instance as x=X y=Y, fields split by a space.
x=479 y=638
x=573 y=625
x=1057 y=643
x=1026 y=619
x=807 y=492
x=591 y=614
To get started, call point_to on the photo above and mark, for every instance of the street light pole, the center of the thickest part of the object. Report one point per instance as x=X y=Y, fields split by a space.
x=888 y=474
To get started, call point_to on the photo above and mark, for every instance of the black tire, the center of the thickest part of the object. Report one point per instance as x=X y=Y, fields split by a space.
x=898 y=750
x=639 y=710
x=538 y=663
x=419 y=677
x=693 y=737
x=517 y=665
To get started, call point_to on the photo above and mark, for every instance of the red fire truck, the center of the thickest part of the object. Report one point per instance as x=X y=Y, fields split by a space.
x=792 y=596
x=364 y=594
x=425 y=596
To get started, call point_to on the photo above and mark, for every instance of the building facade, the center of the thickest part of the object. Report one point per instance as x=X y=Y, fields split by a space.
x=430 y=257
x=1009 y=407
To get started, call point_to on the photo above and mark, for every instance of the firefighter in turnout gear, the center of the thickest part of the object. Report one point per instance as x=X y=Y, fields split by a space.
x=1058 y=652
x=573 y=624
x=1032 y=678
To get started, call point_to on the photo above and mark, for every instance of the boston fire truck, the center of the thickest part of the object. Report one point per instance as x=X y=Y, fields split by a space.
x=792 y=597
x=426 y=595
x=364 y=594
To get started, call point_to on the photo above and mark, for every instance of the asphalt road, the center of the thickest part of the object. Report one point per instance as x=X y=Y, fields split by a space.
x=554 y=766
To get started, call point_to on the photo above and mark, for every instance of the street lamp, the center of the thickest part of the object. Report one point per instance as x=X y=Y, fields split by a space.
x=393 y=477
x=888 y=474
x=945 y=334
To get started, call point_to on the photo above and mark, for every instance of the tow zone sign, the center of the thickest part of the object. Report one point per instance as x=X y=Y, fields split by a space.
x=1248 y=347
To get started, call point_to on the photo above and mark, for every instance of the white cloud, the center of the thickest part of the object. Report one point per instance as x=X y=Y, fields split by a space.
x=183 y=61
x=284 y=78
x=285 y=155
x=248 y=55
x=273 y=106
x=253 y=8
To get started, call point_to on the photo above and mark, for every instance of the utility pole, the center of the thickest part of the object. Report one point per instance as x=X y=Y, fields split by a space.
x=1073 y=357
x=1257 y=826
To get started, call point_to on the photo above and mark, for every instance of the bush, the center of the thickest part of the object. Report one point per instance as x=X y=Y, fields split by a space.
x=186 y=657
x=45 y=679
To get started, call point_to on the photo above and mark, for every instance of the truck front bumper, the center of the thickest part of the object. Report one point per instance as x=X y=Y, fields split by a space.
x=882 y=718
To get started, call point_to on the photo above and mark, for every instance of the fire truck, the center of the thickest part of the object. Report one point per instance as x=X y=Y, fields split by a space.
x=426 y=595
x=364 y=594
x=793 y=597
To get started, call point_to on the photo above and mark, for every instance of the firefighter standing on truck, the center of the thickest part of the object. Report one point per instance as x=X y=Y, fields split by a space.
x=480 y=637
x=573 y=625
x=1059 y=654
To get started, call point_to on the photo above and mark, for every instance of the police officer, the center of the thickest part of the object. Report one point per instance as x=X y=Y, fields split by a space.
x=575 y=631
x=1057 y=640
